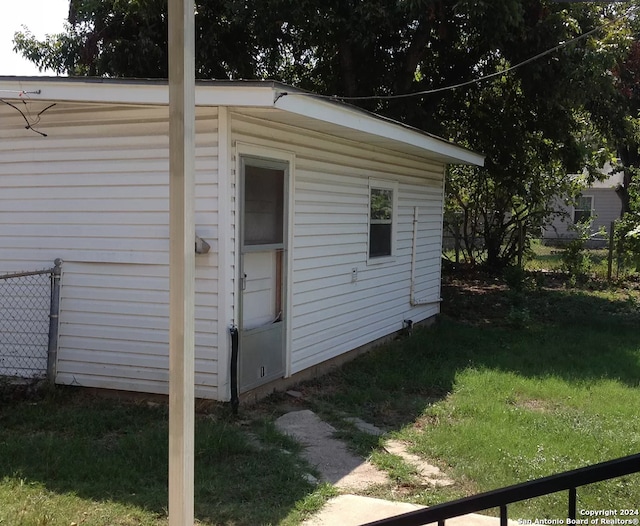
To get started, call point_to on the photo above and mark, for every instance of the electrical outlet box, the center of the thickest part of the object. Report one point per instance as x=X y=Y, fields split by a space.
x=354 y=275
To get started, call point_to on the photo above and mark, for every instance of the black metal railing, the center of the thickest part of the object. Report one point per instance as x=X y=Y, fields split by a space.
x=501 y=498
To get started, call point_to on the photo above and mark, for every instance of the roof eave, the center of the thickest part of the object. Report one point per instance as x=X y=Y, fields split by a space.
x=132 y=91
x=265 y=94
x=360 y=120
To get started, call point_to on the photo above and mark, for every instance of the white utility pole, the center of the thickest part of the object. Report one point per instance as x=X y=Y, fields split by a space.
x=181 y=261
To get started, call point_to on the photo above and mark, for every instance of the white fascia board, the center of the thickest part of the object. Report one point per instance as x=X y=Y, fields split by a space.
x=251 y=94
x=354 y=119
x=154 y=93
x=89 y=90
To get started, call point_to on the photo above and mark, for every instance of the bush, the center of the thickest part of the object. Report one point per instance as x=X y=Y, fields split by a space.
x=515 y=277
x=519 y=317
x=576 y=260
x=627 y=235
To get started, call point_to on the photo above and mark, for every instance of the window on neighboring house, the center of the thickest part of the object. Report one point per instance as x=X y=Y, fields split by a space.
x=382 y=218
x=582 y=210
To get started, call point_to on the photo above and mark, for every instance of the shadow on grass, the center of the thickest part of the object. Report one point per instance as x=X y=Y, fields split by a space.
x=108 y=451
x=574 y=336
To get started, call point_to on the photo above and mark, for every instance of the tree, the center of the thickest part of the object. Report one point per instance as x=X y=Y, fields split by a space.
x=128 y=38
x=531 y=122
x=617 y=114
x=535 y=129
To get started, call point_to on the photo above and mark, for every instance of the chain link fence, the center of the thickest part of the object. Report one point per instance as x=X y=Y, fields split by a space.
x=605 y=256
x=29 y=303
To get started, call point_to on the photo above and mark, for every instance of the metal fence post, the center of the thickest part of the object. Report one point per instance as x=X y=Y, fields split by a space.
x=52 y=351
x=612 y=229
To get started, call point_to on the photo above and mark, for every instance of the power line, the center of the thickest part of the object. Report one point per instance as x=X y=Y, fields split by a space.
x=29 y=124
x=468 y=82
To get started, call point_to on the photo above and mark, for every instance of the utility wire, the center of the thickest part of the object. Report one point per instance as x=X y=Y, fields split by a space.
x=30 y=125
x=468 y=82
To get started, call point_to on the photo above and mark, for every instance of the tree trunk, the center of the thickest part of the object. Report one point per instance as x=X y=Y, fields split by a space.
x=347 y=68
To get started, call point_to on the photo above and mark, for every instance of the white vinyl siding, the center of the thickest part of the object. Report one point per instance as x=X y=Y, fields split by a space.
x=330 y=314
x=95 y=193
x=606 y=207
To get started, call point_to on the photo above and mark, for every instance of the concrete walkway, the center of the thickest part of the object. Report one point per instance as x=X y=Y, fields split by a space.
x=338 y=466
x=335 y=463
x=354 y=510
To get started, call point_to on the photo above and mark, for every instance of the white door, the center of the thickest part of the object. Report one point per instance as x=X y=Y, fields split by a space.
x=261 y=353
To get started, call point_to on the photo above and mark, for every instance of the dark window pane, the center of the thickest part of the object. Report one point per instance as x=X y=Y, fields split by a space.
x=580 y=216
x=582 y=209
x=263 y=206
x=379 y=240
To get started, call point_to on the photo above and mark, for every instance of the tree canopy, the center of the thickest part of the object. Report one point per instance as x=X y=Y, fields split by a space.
x=535 y=123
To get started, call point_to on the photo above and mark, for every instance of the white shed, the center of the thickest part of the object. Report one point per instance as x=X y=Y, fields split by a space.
x=324 y=221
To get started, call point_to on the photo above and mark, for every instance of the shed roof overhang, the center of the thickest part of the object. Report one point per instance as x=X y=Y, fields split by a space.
x=267 y=99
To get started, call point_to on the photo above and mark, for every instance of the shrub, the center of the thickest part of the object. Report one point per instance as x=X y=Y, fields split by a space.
x=627 y=235
x=515 y=277
x=519 y=317
x=576 y=260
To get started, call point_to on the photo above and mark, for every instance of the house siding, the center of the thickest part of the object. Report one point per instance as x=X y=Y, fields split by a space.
x=331 y=315
x=95 y=193
x=606 y=209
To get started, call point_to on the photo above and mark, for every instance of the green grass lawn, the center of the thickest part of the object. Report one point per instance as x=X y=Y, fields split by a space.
x=72 y=459
x=549 y=258
x=507 y=386
x=541 y=257
x=497 y=399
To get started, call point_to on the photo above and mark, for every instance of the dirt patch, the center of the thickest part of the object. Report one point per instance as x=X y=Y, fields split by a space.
x=538 y=406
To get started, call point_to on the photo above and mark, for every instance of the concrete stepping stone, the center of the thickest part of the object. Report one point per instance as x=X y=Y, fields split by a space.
x=330 y=456
x=354 y=510
x=428 y=473
x=365 y=427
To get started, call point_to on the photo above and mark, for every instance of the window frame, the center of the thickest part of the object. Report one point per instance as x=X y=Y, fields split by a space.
x=576 y=209
x=383 y=184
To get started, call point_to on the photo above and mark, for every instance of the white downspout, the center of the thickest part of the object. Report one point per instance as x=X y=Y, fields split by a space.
x=414 y=249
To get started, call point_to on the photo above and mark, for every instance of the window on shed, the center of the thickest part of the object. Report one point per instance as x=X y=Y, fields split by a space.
x=382 y=199
x=582 y=210
x=264 y=206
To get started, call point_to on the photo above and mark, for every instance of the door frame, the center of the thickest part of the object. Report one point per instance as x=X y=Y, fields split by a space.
x=243 y=150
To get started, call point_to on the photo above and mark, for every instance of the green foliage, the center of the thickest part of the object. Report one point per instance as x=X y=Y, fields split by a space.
x=77 y=459
x=507 y=403
x=520 y=283
x=518 y=317
x=576 y=259
x=535 y=129
x=627 y=236
x=516 y=278
x=536 y=123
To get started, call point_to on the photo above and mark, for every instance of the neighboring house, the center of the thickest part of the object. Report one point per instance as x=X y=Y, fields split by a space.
x=598 y=201
x=324 y=221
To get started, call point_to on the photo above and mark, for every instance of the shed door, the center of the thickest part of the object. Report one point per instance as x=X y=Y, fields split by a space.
x=262 y=271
